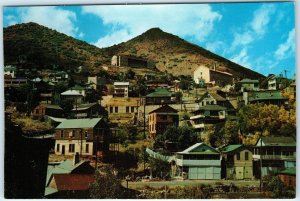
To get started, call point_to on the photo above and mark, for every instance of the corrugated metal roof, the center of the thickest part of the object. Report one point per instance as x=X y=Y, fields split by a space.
x=266 y=95
x=121 y=83
x=84 y=106
x=166 y=109
x=289 y=171
x=71 y=93
x=212 y=107
x=246 y=80
x=49 y=190
x=160 y=92
x=79 y=123
x=232 y=147
x=189 y=150
x=52 y=106
x=278 y=141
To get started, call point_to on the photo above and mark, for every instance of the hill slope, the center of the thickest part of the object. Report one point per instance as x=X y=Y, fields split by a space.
x=34 y=46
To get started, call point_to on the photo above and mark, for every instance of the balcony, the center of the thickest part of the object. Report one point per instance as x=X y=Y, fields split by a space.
x=185 y=162
x=274 y=157
x=198 y=125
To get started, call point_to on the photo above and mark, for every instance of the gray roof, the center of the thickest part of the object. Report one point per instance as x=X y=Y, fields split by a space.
x=190 y=150
x=71 y=93
x=277 y=141
x=79 y=123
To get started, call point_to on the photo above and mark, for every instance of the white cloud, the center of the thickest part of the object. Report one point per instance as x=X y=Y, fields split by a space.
x=287 y=48
x=215 y=46
x=242 y=58
x=242 y=39
x=195 y=21
x=261 y=18
x=11 y=20
x=81 y=35
x=52 y=17
x=113 y=38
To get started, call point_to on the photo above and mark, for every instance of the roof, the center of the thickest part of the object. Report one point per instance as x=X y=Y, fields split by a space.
x=289 y=171
x=266 y=95
x=57 y=107
x=77 y=87
x=246 y=80
x=214 y=95
x=68 y=182
x=212 y=107
x=9 y=68
x=277 y=141
x=160 y=92
x=66 y=167
x=121 y=83
x=57 y=119
x=123 y=101
x=71 y=93
x=50 y=190
x=230 y=148
x=194 y=149
x=165 y=109
x=84 y=106
x=37 y=79
x=79 y=123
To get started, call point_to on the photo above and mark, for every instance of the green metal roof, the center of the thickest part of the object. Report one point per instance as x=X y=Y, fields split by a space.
x=277 y=141
x=160 y=92
x=166 y=110
x=232 y=147
x=289 y=171
x=49 y=190
x=246 y=80
x=79 y=123
x=199 y=148
x=9 y=68
x=266 y=95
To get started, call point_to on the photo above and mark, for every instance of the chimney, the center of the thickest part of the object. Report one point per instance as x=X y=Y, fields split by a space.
x=76 y=159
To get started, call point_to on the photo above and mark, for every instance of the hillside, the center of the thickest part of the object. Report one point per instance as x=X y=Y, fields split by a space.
x=175 y=55
x=31 y=45
x=34 y=46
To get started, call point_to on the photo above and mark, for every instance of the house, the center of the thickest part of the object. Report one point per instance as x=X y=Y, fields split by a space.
x=199 y=161
x=72 y=95
x=236 y=162
x=208 y=114
x=211 y=98
x=87 y=110
x=13 y=82
x=158 y=97
x=69 y=179
x=288 y=177
x=205 y=75
x=290 y=91
x=275 y=152
x=10 y=70
x=45 y=109
x=121 y=89
x=160 y=119
x=120 y=105
x=266 y=97
x=277 y=82
x=96 y=81
x=249 y=85
x=85 y=136
x=156 y=83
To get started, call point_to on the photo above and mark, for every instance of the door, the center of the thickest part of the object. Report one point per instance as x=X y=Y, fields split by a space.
x=63 y=149
x=239 y=172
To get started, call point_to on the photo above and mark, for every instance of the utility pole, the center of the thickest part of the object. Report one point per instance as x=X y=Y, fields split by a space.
x=145 y=118
x=260 y=160
x=81 y=131
x=96 y=150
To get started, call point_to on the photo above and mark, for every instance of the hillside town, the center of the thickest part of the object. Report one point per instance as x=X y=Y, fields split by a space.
x=72 y=134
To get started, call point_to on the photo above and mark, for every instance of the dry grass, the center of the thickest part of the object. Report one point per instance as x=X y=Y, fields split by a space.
x=29 y=125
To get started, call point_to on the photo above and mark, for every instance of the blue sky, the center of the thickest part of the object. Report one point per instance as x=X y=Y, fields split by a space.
x=259 y=36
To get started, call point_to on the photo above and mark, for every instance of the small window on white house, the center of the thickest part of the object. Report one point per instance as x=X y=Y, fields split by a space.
x=57 y=147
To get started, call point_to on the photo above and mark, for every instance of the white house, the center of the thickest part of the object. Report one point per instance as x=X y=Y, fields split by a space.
x=121 y=89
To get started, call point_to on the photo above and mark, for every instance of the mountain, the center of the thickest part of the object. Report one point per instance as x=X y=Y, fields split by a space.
x=34 y=46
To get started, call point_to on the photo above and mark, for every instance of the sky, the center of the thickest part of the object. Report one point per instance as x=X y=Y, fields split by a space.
x=259 y=36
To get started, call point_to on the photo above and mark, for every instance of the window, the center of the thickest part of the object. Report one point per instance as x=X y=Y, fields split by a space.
x=132 y=109
x=116 y=109
x=87 y=148
x=86 y=134
x=246 y=156
x=61 y=134
x=238 y=156
x=71 y=148
x=57 y=147
x=127 y=109
x=111 y=110
x=72 y=133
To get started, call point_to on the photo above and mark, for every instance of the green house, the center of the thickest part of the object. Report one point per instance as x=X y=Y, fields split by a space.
x=158 y=97
x=199 y=161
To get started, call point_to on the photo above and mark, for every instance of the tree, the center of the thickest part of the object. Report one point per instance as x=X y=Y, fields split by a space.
x=183 y=137
x=67 y=106
x=106 y=185
x=159 y=167
x=277 y=189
